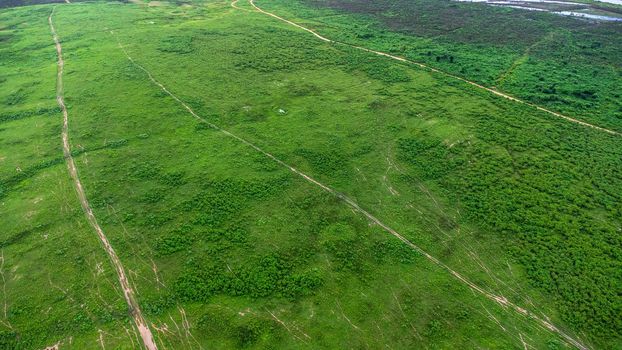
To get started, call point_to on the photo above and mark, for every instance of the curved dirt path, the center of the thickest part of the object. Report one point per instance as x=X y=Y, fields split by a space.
x=426 y=67
x=500 y=299
x=234 y=4
x=128 y=292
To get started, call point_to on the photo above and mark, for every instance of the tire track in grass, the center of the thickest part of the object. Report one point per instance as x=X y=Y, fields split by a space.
x=500 y=299
x=128 y=292
x=431 y=69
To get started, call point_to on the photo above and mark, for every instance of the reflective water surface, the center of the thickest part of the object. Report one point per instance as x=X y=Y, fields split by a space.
x=559 y=7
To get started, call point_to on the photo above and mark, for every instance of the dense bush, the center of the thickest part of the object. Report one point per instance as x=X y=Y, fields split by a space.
x=284 y=53
x=386 y=73
x=173 y=243
x=261 y=276
x=15 y=98
x=177 y=45
x=10 y=340
x=382 y=70
x=324 y=162
x=214 y=214
x=432 y=157
x=535 y=194
x=250 y=330
x=5 y=117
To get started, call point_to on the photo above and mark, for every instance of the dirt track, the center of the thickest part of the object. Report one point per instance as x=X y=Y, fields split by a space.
x=426 y=67
x=128 y=292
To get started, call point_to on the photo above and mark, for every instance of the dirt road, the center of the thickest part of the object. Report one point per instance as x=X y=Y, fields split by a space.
x=128 y=292
x=431 y=69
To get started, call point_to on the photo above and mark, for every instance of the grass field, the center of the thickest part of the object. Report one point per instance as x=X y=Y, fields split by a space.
x=227 y=248
x=565 y=64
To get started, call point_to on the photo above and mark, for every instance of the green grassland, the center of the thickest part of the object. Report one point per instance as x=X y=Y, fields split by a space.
x=228 y=249
x=568 y=65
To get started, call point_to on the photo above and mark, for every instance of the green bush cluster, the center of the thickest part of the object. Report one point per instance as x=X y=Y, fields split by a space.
x=11 y=340
x=173 y=243
x=242 y=332
x=545 y=204
x=15 y=238
x=181 y=44
x=260 y=276
x=152 y=171
x=432 y=157
x=214 y=214
x=327 y=162
x=8 y=183
x=382 y=70
x=279 y=51
x=5 y=117
x=15 y=98
x=387 y=74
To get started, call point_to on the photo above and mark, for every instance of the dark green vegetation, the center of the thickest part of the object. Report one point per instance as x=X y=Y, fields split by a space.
x=565 y=64
x=217 y=236
x=13 y=3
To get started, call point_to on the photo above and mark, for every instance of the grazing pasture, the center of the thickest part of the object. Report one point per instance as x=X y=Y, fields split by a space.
x=262 y=188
